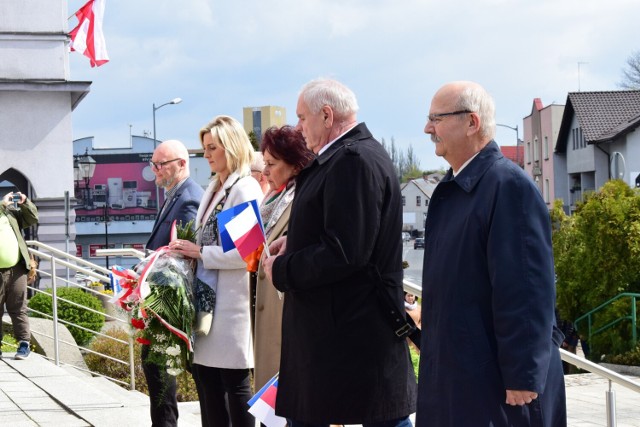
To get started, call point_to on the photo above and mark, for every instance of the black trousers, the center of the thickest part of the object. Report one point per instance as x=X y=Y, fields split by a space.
x=223 y=395
x=162 y=393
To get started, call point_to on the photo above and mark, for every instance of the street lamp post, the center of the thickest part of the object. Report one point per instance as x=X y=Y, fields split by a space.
x=106 y=226
x=84 y=168
x=517 y=140
x=173 y=101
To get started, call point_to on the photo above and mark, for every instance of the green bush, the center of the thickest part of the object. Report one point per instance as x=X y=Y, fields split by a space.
x=415 y=360
x=630 y=358
x=11 y=344
x=186 y=386
x=42 y=302
x=617 y=339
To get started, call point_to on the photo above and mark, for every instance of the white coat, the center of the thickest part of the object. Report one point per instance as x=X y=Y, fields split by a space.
x=228 y=344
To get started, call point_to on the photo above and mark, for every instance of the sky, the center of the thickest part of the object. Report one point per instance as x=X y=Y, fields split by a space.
x=221 y=56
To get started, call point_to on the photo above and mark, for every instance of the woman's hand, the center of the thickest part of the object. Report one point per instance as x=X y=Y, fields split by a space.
x=278 y=246
x=185 y=248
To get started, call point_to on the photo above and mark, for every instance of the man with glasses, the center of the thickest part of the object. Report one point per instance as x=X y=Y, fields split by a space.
x=170 y=164
x=490 y=342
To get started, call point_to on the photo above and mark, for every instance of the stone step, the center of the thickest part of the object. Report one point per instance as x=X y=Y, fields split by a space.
x=74 y=398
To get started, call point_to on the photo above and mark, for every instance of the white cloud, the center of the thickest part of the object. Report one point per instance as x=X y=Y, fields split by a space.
x=220 y=56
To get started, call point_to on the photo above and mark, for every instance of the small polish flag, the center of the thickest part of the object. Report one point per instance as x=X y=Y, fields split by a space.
x=241 y=228
x=263 y=405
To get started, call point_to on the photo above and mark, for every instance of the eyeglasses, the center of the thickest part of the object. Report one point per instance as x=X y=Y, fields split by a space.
x=159 y=165
x=437 y=118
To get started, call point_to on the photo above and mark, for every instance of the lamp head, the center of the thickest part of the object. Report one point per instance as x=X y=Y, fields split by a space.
x=176 y=101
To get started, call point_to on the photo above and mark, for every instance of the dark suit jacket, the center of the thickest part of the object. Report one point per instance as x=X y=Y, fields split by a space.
x=341 y=361
x=183 y=206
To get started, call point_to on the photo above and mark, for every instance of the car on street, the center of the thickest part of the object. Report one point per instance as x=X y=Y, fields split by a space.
x=418 y=243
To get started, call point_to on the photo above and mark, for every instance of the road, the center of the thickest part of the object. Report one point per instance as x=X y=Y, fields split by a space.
x=414 y=257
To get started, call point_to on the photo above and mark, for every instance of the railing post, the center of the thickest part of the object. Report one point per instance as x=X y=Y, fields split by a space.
x=634 y=325
x=54 y=306
x=611 y=407
x=132 y=367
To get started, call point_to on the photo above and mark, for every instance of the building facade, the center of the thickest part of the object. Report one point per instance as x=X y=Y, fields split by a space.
x=416 y=195
x=541 y=129
x=259 y=119
x=597 y=141
x=37 y=98
x=117 y=199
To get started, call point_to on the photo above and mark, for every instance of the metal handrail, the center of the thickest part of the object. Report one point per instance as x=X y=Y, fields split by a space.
x=128 y=252
x=60 y=258
x=575 y=360
x=633 y=317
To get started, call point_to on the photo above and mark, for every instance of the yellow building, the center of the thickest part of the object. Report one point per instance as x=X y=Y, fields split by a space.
x=259 y=119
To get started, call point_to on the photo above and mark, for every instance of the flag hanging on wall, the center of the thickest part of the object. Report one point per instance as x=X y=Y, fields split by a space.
x=87 y=37
x=241 y=228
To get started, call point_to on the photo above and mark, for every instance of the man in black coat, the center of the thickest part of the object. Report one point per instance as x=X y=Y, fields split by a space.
x=340 y=267
x=170 y=164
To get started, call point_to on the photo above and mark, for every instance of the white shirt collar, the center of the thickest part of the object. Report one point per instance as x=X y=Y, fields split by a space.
x=323 y=149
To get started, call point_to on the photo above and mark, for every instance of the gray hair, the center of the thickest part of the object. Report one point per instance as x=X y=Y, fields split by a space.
x=475 y=98
x=320 y=92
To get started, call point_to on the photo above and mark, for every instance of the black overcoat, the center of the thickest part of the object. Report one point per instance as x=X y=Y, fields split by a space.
x=488 y=321
x=341 y=362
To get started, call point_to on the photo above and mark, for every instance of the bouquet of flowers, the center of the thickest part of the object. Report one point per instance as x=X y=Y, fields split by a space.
x=158 y=295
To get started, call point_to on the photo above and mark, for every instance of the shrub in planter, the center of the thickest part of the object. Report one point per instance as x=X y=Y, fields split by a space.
x=630 y=358
x=186 y=386
x=42 y=302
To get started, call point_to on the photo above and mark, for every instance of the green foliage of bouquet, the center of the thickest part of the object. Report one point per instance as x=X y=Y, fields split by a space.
x=166 y=314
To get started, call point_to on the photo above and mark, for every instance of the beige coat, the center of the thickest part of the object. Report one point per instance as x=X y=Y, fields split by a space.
x=268 y=317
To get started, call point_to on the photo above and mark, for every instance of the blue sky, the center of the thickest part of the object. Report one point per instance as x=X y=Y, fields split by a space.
x=221 y=56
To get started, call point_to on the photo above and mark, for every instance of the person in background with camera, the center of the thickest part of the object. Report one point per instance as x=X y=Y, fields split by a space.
x=16 y=213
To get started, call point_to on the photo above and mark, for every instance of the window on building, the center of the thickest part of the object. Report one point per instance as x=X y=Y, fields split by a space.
x=546 y=191
x=578 y=140
x=404 y=201
x=528 y=153
x=418 y=200
x=536 y=150
x=546 y=148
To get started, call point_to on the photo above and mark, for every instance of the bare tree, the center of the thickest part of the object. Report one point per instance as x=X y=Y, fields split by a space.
x=631 y=74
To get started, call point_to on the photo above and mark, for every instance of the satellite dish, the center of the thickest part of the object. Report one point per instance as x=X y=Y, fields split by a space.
x=617 y=166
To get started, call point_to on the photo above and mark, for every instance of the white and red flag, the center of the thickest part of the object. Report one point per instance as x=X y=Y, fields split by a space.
x=87 y=37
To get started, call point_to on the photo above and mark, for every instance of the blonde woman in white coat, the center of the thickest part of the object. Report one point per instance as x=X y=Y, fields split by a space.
x=223 y=353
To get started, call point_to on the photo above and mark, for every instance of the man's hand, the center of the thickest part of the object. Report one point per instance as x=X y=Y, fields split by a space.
x=520 y=397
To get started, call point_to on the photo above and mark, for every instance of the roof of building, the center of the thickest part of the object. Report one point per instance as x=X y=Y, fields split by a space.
x=513 y=153
x=425 y=185
x=603 y=116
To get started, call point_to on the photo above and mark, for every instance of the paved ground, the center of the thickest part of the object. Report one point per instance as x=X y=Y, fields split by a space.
x=35 y=392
